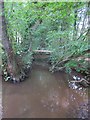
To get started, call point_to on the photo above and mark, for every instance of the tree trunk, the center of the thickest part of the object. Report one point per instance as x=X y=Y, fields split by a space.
x=12 y=67
x=75 y=25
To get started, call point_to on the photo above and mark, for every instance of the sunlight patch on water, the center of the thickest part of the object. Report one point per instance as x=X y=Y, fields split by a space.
x=40 y=77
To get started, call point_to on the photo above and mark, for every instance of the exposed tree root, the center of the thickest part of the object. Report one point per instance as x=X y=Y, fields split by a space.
x=19 y=78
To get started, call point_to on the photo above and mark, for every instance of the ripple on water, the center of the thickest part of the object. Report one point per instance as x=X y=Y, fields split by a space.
x=52 y=101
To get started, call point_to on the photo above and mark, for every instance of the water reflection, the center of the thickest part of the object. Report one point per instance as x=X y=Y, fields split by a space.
x=44 y=95
x=51 y=101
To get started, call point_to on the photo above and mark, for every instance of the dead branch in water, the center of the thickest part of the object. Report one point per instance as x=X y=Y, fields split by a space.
x=81 y=81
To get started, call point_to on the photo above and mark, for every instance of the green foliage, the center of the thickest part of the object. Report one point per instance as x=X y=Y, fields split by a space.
x=81 y=65
x=46 y=25
x=27 y=59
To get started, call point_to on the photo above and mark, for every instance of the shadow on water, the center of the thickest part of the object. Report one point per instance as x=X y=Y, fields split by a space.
x=44 y=95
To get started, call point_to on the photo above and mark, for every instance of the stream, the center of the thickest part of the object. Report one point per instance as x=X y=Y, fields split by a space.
x=44 y=95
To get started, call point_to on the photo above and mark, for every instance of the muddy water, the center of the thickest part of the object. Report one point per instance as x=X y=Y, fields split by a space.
x=0 y=97
x=44 y=95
